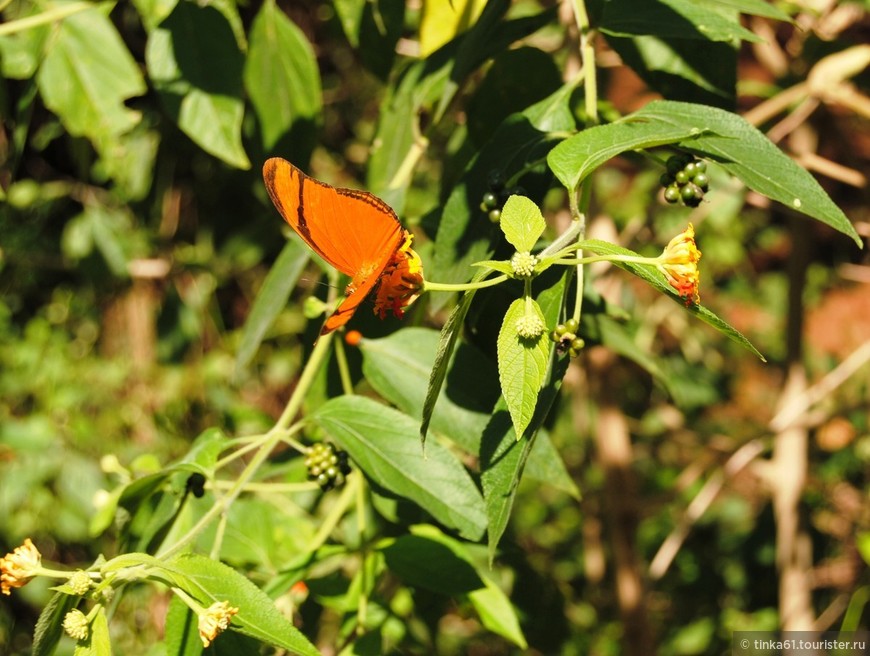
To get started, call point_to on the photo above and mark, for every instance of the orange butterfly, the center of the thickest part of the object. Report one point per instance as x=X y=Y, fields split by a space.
x=355 y=232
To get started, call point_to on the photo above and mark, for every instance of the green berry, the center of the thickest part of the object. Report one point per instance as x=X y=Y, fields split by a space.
x=700 y=166
x=672 y=194
x=490 y=201
x=571 y=326
x=681 y=177
x=666 y=180
x=702 y=181
x=690 y=169
x=554 y=336
x=495 y=215
x=561 y=329
x=687 y=193
x=577 y=344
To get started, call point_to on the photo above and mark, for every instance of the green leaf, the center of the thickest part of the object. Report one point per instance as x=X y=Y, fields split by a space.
x=746 y=153
x=651 y=275
x=682 y=19
x=384 y=443
x=194 y=60
x=209 y=581
x=577 y=157
x=503 y=457
x=98 y=642
x=181 y=635
x=49 y=626
x=450 y=334
x=497 y=613
x=522 y=223
x=87 y=75
x=282 y=80
x=154 y=12
x=398 y=367
x=522 y=364
x=271 y=299
x=431 y=565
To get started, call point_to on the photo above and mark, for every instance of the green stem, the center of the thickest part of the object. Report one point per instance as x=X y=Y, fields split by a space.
x=429 y=286
x=587 y=56
x=354 y=480
x=268 y=488
x=271 y=439
x=343 y=368
x=54 y=14
x=634 y=259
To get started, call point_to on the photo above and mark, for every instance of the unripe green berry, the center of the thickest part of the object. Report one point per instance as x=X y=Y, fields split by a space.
x=702 y=181
x=690 y=169
x=687 y=193
x=672 y=194
x=700 y=166
x=681 y=177
x=495 y=215
x=490 y=201
x=572 y=326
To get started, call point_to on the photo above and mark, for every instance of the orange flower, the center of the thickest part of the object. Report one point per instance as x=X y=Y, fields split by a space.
x=679 y=264
x=18 y=567
x=214 y=620
x=401 y=281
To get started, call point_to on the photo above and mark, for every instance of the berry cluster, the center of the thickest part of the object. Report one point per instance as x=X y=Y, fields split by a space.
x=565 y=336
x=686 y=180
x=494 y=199
x=326 y=465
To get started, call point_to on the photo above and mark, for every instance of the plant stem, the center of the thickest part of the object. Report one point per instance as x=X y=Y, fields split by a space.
x=587 y=56
x=429 y=286
x=270 y=440
x=54 y=14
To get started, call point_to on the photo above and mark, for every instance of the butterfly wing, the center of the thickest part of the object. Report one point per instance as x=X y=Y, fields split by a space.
x=354 y=231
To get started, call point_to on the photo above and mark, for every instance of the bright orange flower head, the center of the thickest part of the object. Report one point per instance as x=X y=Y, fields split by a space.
x=679 y=263
x=18 y=567
x=401 y=282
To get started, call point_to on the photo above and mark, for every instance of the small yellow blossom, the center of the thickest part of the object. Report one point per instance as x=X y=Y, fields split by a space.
x=523 y=264
x=80 y=582
x=75 y=624
x=530 y=326
x=401 y=282
x=214 y=620
x=18 y=567
x=679 y=263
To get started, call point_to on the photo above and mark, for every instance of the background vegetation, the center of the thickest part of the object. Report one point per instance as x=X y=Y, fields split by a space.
x=698 y=490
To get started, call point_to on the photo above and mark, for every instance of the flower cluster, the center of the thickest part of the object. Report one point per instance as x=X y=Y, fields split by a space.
x=18 y=567
x=401 y=282
x=679 y=264
x=214 y=620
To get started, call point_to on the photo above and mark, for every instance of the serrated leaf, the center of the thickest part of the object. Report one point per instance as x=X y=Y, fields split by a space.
x=522 y=223
x=271 y=299
x=98 y=642
x=503 y=457
x=652 y=276
x=194 y=61
x=384 y=443
x=577 y=157
x=209 y=581
x=282 y=78
x=746 y=153
x=522 y=363
x=399 y=366
x=49 y=626
x=87 y=75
